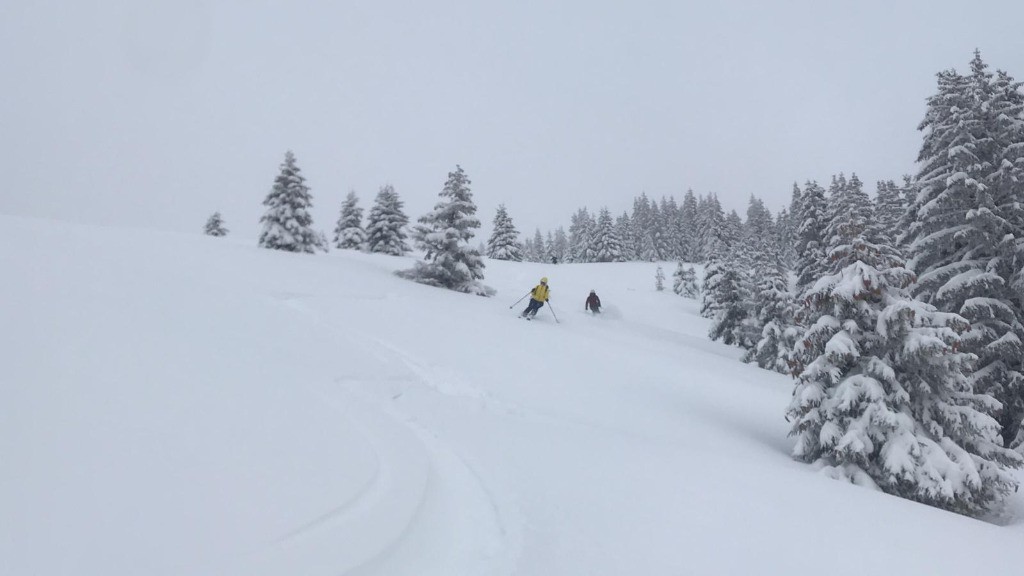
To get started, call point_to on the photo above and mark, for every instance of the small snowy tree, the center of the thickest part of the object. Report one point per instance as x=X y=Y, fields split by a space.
x=685 y=282
x=659 y=279
x=349 y=233
x=287 y=223
x=504 y=241
x=215 y=226
x=385 y=232
x=444 y=235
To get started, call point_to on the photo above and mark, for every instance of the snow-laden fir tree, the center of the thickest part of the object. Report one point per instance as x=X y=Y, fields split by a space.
x=641 y=219
x=688 y=251
x=624 y=228
x=754 y=255
x=605 y=241
x=1004 y=119
x=783 y=238
x=659 y=279
x=550 y=252
x=772 y=315
x=810 y=246
x=385 y=226
x=561 y=245
x=215 y=226
x=444 y=235
x=733 y=229
x=504 y=241
x=788 y=225
x=673 y=230
x=889 y=207
x=715 y=250
x=685 y=282
x=539 y=251
x=711 y=225
x=886 y=400
x=659 y=232
x=580 y=227
x=349 y=233
x=958 y=230
x=723 y=299
x=288 y=223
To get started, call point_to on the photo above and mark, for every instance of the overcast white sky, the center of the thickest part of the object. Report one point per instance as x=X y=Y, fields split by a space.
x=157 y=113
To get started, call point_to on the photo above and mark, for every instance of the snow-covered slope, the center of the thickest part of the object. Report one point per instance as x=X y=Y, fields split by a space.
x=190 y=405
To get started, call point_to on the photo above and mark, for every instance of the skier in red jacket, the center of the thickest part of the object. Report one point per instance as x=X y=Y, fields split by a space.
x=593 y=303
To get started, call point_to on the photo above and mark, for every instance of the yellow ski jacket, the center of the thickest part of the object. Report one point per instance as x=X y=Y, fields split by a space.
x=540 y=292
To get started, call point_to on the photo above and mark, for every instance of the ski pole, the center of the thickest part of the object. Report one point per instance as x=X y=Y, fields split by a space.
x=552 y=308
x=520 y=300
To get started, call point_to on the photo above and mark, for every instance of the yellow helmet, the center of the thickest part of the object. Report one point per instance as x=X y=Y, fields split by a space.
x=544 y=280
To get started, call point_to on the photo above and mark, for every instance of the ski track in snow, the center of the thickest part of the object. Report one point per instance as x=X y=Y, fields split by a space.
x=456 y=525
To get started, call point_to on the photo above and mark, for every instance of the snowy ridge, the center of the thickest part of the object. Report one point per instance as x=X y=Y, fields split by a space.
x=192 y=405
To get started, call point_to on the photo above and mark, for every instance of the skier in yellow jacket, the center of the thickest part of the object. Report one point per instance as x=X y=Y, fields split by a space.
x=538 y=296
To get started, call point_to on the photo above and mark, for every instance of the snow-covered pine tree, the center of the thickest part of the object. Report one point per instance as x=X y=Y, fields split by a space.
x=958 y=231
x=529 y=252
x=810 y=246
x=1004 y=120
x=624 y=228
x=813 y=260
x=539 y=253
x=349 y=233
x=641 y=219
x=561 y=244
x=685 y=282
x=889 y=207
x=580 y=229
x=772 y=314
x=385 y=225
x=550 y=254
x=788 y=226
x=444 y=235
x=885 y=401
x=782 y=237
x=661 y=230
x=715 y=250
x=723 y=300
x=754 y=254
x=606 y=244
x=215 y=226
x=504 y=241
x=655 y=233
x=759 y=224
x=733 y=229
x=288 y=223
x=659 y=279
x=688 y=251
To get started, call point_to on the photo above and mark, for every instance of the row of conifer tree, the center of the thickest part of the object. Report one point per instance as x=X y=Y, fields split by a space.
x=900 y=317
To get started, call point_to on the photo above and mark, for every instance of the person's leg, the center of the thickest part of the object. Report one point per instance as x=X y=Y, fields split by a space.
x=537 y=307
x=531 y=307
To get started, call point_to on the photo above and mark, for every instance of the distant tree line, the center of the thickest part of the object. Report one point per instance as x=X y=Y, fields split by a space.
x=653 y=231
